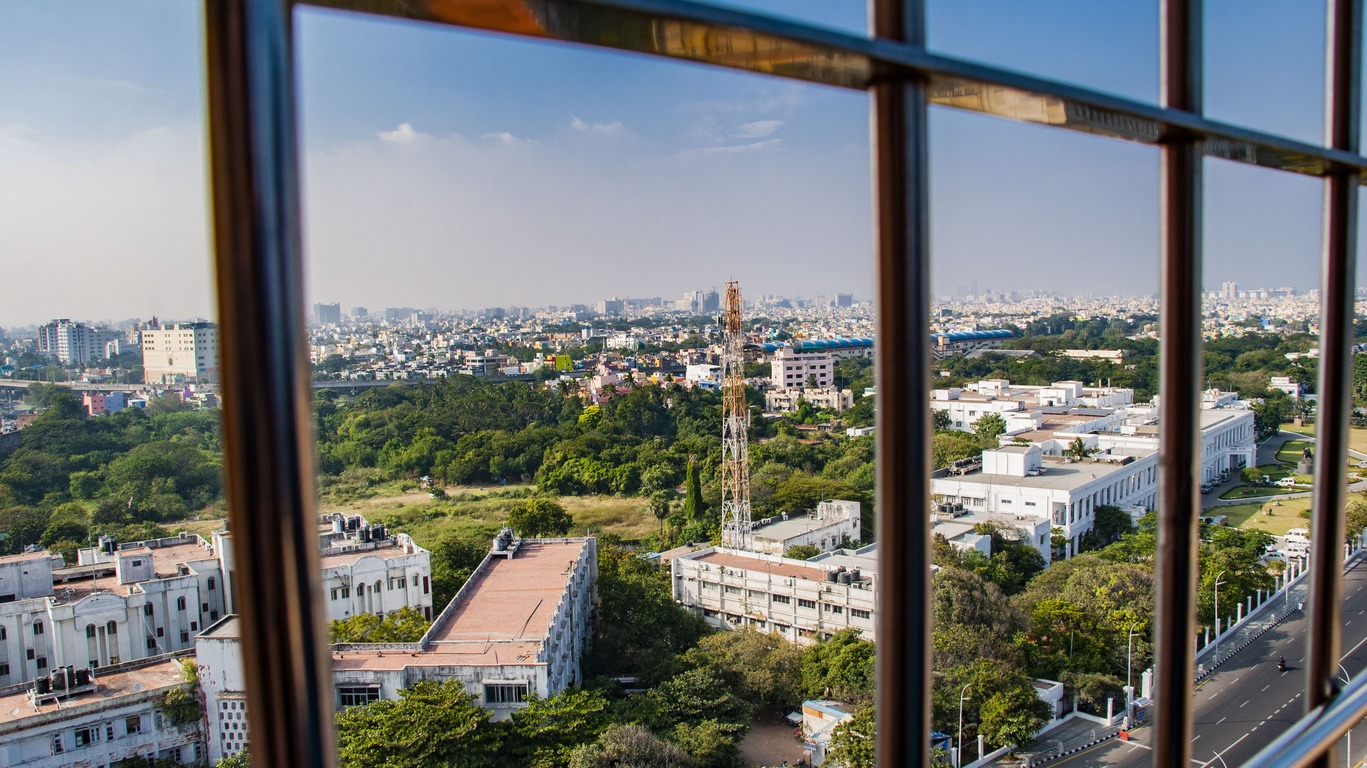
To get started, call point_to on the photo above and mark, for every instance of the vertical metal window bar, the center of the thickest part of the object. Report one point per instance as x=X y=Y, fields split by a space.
x=1179 y=497
x=902 y=370
x=268 y=454
x=1343 y=48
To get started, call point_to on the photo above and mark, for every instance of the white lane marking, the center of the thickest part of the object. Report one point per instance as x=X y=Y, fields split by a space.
x=1194 y=738
x=1265 y=687
x=1220 y=755
x=1241 y=706
x=1221 y=720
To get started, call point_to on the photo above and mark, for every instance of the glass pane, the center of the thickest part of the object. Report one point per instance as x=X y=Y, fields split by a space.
x=558 y=228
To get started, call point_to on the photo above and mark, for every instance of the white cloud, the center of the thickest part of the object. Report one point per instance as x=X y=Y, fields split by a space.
x=586 y=127
x=758 y=129
x=734 y=149
x=404 y=134
x=508 y=140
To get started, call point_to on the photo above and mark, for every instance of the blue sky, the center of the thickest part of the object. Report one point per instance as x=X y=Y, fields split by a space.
x=456 y=169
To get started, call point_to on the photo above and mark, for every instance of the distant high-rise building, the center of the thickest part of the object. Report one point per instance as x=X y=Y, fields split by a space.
x=844 y=299
x=1229 y=290
x=611 y=306
x=360 y=313
x=700 y=302
x=76 y=343
x=182 y=351
x=327 y=314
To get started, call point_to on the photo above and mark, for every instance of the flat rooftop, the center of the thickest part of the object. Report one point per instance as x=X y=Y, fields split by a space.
x=166 y=563
x=15 y=707
x=751 y=561
x=778 y=529
x=502 y=618
x=1059 y=475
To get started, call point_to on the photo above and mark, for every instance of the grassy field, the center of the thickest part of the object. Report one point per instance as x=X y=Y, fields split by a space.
x=1292 y=450
x=478 y=510
x=1357 y=438
x=1276 y=517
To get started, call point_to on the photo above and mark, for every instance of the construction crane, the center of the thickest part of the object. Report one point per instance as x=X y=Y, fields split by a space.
x=735 y=415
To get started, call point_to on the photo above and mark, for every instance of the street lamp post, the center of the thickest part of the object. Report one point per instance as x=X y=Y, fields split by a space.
x=1129 y=683
x=959 y=754
x=1217 y=615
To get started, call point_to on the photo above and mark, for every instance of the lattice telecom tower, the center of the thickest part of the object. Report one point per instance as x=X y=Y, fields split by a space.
x=735 y=416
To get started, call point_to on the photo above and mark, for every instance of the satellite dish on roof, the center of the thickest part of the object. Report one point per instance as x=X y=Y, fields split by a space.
x=137 y=686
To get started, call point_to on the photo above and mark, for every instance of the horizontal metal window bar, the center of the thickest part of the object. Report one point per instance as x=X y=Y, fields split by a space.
x=1304 y=741
x=769 y=45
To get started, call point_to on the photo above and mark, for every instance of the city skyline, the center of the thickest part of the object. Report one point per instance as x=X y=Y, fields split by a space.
x=447 y=168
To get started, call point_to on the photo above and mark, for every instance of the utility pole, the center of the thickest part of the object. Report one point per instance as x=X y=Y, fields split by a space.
x=959 y=752
x=1217 y=615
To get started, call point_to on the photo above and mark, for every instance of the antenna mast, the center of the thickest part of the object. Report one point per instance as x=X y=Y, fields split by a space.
x=735 y=452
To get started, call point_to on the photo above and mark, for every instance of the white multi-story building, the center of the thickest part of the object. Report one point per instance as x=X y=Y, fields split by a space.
x=1016 y=403
x=71 y=342
x=801 y=600
x=76 y=718
x=793 y=368
x=518 y=627
x=366 y=568
x=1017 y=486
x=821 y=398
x=182 y=352
x=830 y=526
x=118 y=604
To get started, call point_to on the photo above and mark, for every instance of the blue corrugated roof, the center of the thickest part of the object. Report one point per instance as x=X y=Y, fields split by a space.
x=864 y=342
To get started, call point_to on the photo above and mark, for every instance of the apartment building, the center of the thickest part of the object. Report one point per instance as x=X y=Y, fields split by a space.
x=792 y=368
x=181 y=352
x=833 y=523
x=1019 y=487
x=801 y=600
x=1017 y=402
x=76 y=343
x=119 y=603
x=518 y=627
x=79 y=717
x=366 y=568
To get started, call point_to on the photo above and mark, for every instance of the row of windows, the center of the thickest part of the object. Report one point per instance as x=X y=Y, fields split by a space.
x=84 y=737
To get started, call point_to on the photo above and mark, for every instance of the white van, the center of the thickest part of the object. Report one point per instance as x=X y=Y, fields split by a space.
x=1287 y=482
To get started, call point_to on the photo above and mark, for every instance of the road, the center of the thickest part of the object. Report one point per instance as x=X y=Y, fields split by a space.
x=1247 y=702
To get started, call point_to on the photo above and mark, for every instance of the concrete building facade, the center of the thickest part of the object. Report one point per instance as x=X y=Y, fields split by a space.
x=181 y=352
x=803 y=601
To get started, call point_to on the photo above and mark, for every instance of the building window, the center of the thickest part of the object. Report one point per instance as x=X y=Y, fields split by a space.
x=859 y=613
x=834 y=608
x=57 y=747
x=151 y=642
x=730 y=590
x=84 y=737
x=782 y=599
x=147 y=610
x=4 y=668
x=212 y=584
x=90 y=630
x=806 y=603
x=133 y=725
x=37 y=627
x=505 y=693
x=111 y=628
x=161 y=632
x=184 y=636
x=42 y=662
x=357 y=695
x=180 y=603
x=32 y=654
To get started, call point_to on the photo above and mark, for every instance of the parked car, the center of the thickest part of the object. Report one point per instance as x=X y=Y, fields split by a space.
x=1287 y=482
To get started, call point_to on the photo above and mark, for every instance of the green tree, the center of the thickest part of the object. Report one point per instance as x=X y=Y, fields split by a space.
x=630 y=746
x=988 y=427
x=1253 y=475
x=534 y=518
x=709 y=743
x=1111 y=523
x=852 y=742
x=769 y=667
x=840 y=667
x=432 y=724
x=180 y=705
x=942 y=420
x=801 y=551
x=1013 y=716
x=21 y=527
x=693 y=505
x=241 y=759
x=693 y=696
x=547 y=731
x=405 y=625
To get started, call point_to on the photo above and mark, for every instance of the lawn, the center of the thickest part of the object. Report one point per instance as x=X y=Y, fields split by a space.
x=483 y=510
x=1292 y=450
x=1276 y=517
x=1357 y=438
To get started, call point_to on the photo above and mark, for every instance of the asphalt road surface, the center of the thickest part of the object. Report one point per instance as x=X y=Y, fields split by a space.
x=1247 y=702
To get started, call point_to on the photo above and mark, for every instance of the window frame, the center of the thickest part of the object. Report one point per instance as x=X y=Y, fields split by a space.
x=268 y=464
